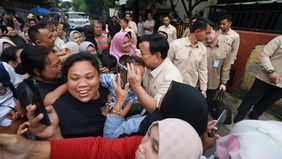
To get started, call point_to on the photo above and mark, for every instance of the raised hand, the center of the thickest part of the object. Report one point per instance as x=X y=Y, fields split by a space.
x=40 y=130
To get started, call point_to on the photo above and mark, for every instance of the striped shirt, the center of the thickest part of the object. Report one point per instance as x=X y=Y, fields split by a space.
x=102 y=42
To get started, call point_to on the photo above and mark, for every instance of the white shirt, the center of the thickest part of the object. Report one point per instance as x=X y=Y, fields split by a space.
x=170 y=31
x=8 y=99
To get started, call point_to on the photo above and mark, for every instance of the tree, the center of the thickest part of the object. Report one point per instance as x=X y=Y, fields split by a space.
x=191 y=5
x=66 y=4
x=94 y=7
x=188 y=5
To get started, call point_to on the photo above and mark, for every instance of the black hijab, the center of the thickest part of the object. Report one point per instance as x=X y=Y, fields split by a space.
x=181 y=101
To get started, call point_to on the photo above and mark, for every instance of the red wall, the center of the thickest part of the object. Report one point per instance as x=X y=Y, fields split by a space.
x=248 y=41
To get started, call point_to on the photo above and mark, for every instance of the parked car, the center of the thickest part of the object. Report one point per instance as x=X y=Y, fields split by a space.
x=77 y=20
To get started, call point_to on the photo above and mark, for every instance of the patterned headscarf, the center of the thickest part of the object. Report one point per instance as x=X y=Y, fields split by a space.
x=252 y=139
x=178 y=139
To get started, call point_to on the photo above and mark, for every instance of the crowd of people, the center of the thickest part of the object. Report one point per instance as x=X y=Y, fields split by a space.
x=161 y=110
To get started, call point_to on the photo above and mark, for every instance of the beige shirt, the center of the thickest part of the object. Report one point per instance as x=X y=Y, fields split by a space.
x=156 y=82
x=232 y=38
x=171 y=32
x=219 y=64
x=271 y=59
x=149 y=23
x=191 y=61
x=133 y=35
x=132 y=25
x=186 y=32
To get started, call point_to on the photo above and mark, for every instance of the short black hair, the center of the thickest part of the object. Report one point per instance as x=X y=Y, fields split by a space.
x=124 y=59
x=34 y=57
x=108 y=60
x=33 y=32
x=4 y=29
x=199 y=24
x=167 y=17
x=226 y=16
x=10 y=54
x=210 y=23
x=125 y=20
x=82 y=56
x=157 y=44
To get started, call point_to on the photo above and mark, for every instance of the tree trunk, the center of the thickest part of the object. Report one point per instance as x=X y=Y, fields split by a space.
x=173 y=6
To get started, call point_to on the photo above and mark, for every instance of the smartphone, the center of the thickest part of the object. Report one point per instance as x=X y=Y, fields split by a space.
x=218 y=123
x=122 y=70
x=40 y=108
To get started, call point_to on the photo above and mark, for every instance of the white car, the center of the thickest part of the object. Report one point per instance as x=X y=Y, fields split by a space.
x=77 y=19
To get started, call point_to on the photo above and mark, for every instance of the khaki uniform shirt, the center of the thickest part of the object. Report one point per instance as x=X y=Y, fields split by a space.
x=132 y=25
x=271 y=59
x=186 y=32
x=171 y=32
x=219 y=64
x=191 y=61
x=156 y=82
x=232 y=38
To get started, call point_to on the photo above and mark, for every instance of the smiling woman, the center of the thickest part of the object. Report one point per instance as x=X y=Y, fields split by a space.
x=79 y=108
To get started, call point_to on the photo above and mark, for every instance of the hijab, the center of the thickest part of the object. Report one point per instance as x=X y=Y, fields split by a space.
x=2 y=41
x=73 y=47
x=178 y=139
x=251 y=139
x=116 y=48
x=73 y=32
x=181 y=101
x=84 y=45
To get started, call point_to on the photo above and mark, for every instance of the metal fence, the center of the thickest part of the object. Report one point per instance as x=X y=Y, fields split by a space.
x=253 y=20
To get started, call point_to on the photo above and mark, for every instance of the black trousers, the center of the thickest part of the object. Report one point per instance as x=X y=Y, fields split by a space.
x=261 y=96
x=210 y=96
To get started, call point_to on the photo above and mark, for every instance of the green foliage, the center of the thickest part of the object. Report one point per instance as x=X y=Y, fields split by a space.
x=66 y=4
x=93 y=6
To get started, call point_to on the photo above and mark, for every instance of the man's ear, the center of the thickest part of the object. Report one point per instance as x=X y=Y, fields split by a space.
x=159 y=56
x=12 y=63
x=37 y=42
x=36 y=72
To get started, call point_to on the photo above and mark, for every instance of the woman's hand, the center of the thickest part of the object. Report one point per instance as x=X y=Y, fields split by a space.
x=209 y=142
x=121 y=94
x=23 y=129
x=19 y=112
x=40 y=130
x=104 y=70
x=17 y=147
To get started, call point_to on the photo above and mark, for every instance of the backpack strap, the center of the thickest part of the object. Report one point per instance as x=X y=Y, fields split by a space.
x=6 y=80
x=4 y=75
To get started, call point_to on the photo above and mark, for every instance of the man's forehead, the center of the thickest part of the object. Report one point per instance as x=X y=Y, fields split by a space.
x=44 y=31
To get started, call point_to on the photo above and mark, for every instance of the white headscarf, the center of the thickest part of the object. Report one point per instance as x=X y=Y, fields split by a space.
x=72 y=46
x=2 y=41
x=178 y=140
x=84 y=45
x=252 y=139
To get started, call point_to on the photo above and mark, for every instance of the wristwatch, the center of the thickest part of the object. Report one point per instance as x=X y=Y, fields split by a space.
x=270 y=72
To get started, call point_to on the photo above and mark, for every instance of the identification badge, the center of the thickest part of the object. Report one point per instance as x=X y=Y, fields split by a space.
x=216 y=63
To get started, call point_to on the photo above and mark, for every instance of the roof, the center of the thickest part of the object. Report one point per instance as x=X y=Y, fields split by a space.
x=250 y=3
